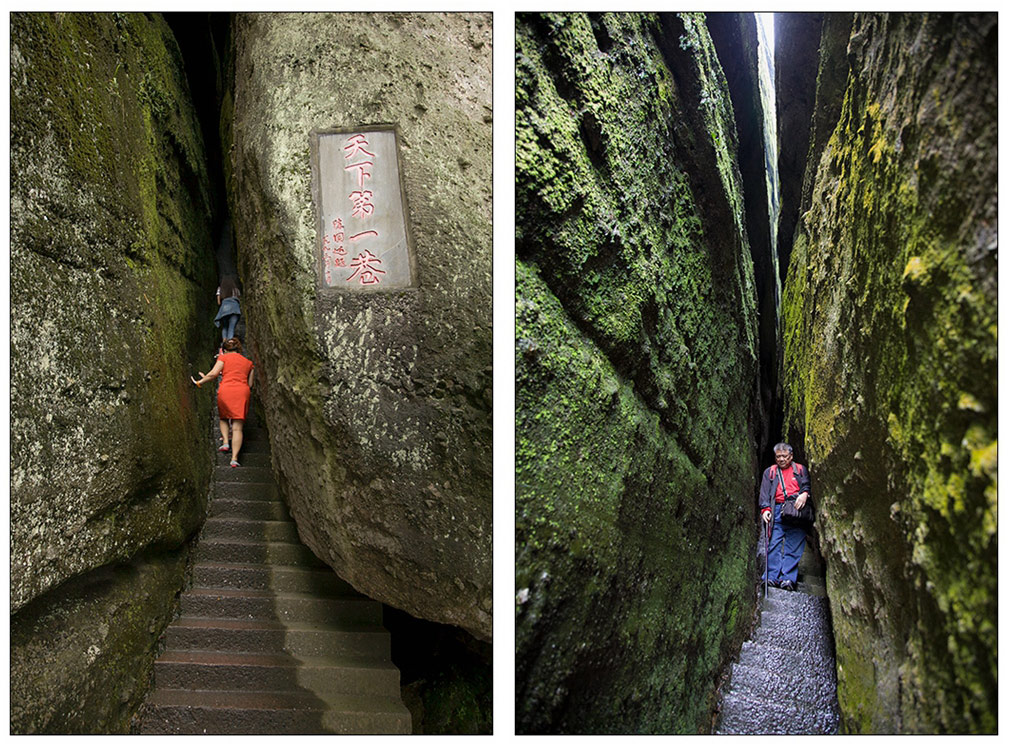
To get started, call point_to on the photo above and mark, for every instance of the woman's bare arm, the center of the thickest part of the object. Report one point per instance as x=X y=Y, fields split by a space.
x=210 y=375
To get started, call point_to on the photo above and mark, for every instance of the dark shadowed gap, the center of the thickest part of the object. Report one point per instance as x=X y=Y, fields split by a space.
x=204 y=40
x=766 y=82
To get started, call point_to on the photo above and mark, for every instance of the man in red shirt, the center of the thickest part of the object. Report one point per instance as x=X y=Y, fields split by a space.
x=784 y=479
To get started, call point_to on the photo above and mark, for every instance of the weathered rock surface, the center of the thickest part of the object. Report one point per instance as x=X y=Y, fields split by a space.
x=736 y=41
x=890 y=368
x=378 y=405
x=636 y=375
x=797 y=44
x=803 y=131
x=110 y=260
x=81 y=655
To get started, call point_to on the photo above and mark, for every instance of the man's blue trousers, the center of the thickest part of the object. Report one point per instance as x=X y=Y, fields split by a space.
x=784 y=549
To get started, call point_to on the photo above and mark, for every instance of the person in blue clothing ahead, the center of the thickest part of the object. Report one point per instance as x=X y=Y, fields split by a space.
x=784 y=479
x=229 y=311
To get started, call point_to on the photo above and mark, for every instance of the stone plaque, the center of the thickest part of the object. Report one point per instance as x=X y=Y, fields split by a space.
x=364 y=240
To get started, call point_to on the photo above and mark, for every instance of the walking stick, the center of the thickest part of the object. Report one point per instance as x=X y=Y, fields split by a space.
x=766 y=535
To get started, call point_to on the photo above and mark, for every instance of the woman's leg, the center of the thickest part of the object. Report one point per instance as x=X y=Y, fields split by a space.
x=223 y=426
x=236 y=438
x=230 y=327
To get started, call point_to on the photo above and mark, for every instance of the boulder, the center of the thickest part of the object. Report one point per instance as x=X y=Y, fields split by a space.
x=890 y=371
x=111 y=278
x=636 y=375
x=81 y=655
x=378 y=404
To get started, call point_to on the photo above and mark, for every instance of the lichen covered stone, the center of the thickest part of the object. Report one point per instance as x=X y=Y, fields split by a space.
x=636 y=374
x=82 y=655
x=890 y=369
x=110 y=264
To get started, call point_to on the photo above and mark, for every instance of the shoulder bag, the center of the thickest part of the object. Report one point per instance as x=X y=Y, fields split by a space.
x=790 y=515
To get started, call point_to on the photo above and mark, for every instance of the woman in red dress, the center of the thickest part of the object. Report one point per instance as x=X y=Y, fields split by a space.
x=232 y=394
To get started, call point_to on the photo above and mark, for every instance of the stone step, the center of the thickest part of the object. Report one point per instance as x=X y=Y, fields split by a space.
x=244 y=474
x=253 y=492
x=310 y=639
x=750 y=713
x=250 y=459
x=813 y=586
x=279 y=578
x=776 y=660
x=258 y=445
x=175 y=711
x=249 y=432
x=242 y=529
x=268 y=672
x=249 y=509
x=270 y=640
x=799 y=610
x=252 y=604
x=810 y=688
x=794 y=602
x=269 y=552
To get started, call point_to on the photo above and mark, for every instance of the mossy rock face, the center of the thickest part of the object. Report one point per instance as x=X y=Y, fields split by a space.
x=378 y=405
x=890 y=368
x=636 y=375
x=110 y=261
x=82 y=655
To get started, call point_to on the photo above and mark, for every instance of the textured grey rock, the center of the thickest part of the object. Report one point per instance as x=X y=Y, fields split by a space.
x=81 y=656
x=378 y=405
x=109 y=217
x=109 y=266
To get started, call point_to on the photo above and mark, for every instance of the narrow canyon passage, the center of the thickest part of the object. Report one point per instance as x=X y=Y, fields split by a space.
x=152 y=153
x=675 y=319
x=784 y=680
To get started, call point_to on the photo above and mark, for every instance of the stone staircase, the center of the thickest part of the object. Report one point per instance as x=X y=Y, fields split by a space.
x=784 y=681
x=269 y=640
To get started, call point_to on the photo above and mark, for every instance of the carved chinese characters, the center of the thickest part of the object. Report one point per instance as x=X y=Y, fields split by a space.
x=364 y=242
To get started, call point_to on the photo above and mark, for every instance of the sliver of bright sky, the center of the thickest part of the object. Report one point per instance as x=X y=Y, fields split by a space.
x=767 y=21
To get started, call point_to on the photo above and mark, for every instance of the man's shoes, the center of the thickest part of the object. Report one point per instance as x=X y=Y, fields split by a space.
x=787 y=585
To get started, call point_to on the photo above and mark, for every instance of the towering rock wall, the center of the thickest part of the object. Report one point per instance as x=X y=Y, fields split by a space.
x=636 y=373
x=890 y=371
x=378 y=404
x=797 y=48
x=736 y=41
x=110 y=266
